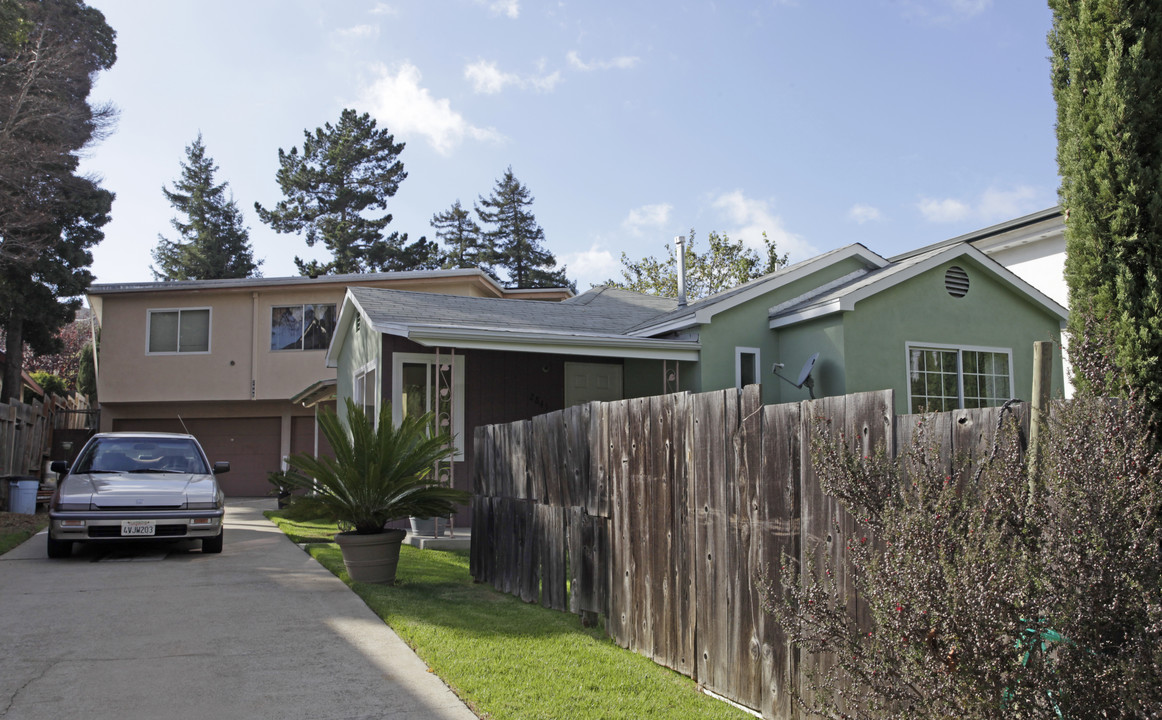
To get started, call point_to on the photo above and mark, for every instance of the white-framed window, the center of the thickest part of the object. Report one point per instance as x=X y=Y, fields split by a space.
x=949 y=377
x=170 y=331
x=747 y=361
x=365 y=392
x=302 y=327
x=413 y=389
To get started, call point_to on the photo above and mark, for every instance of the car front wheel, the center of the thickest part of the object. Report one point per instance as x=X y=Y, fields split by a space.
x=214 y=544
x=59 y=548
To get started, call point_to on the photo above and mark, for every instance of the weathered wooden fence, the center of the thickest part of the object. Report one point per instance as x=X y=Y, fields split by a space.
x=661 y=513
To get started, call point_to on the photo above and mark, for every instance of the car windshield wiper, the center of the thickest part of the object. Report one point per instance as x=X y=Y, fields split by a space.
x=156 y=470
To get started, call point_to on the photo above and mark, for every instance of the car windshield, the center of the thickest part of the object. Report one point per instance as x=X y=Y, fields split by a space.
x=141 y=455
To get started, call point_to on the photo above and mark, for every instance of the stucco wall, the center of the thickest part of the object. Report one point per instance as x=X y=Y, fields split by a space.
x=746 y=325
x=922 y=311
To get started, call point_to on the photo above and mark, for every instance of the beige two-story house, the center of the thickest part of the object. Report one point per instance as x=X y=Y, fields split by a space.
x=228 y=360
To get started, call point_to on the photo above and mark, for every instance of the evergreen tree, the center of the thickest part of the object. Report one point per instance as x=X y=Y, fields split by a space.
x=50 y=53
x=343 y=172
x=725 y=264
x=213 y=241
x=1107 y=80
x=515 y=237
x=43 y=295
x=462 y=239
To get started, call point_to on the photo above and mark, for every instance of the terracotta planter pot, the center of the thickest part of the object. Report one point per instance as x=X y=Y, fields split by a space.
x=371 y=558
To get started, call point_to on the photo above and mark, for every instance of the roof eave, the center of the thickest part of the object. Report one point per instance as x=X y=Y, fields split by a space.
x=556 y=343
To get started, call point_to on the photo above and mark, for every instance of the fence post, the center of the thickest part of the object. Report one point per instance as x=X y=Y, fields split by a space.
x=1042 y=383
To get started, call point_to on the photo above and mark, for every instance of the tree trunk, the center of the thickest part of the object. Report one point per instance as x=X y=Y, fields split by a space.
x=14 y=351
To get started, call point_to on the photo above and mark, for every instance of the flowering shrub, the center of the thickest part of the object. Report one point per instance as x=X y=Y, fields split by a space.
x=985 y=594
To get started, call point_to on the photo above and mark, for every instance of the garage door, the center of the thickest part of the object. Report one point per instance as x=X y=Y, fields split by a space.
x=251 y=445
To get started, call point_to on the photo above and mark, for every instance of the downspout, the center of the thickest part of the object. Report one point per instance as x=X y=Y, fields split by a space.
x=93 y=340
x=680 y=248
x=253 y=344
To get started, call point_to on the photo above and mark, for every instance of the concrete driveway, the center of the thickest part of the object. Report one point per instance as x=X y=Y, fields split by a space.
x=162 y=631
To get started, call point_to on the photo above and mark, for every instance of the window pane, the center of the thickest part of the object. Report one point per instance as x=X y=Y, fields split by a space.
x=194 y=328
x=319 y=324
x=163 y=332
x=969 y=359
x=286 y=327
x=416 y=389
x=746 y=363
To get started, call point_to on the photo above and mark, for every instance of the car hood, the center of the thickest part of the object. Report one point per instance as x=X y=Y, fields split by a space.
x=143 y=490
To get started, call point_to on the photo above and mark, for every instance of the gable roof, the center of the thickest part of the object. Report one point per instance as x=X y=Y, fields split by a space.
x=702 y=311
x=590 y=324
x=1002 y=236
x=844 y=297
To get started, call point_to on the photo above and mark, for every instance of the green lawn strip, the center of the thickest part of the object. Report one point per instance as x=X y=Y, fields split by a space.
x=11 y=540
x=513 y=661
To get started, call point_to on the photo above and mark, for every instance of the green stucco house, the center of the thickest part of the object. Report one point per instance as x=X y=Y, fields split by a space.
x=945 y=328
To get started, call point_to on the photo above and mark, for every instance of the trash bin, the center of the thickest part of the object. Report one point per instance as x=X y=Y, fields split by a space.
x=22 y=495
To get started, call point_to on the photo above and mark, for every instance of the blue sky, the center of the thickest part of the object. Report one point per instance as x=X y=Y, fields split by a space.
x=894 y=123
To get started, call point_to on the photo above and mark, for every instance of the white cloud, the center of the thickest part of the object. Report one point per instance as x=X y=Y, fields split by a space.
x=647 y=216
x=508 y=8
x=1007 y=204
x=358 y=32
x=398 y=101
x=993 y=205
x=384 y=9
x=592 y=266
x=487 y=79
x=942 y=211
x=751 y=218
x=617 y=63
x=862 y=213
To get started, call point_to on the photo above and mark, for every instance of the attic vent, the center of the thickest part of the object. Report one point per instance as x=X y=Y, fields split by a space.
x=956 y=281
x=358 y=323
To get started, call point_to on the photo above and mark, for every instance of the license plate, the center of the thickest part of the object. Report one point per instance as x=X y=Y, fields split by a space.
x=137 y=527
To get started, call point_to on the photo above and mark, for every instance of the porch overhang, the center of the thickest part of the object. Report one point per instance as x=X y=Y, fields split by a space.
x=619 y=346
x=315 y=393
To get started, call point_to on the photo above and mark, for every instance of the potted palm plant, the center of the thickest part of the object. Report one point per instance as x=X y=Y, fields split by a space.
x=378 y=474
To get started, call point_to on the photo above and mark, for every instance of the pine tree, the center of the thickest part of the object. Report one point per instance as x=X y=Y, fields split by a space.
x=213 y=241
x=1107 y=80
x=462 y=239
x=344 y=171
x=515 y=237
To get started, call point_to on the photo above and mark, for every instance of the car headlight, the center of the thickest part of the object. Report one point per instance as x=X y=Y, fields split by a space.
x=72 y=507
x=202 y=506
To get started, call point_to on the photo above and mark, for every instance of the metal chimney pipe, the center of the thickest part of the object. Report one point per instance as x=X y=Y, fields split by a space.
x=680 y=248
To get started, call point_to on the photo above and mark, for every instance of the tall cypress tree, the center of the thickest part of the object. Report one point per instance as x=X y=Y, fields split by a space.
x=461 y=237
x=1107 y=80
x=214 y=243
x=516 y=238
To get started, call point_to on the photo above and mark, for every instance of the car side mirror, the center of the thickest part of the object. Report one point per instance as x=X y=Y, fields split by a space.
x=60 y=467
x=222 y=466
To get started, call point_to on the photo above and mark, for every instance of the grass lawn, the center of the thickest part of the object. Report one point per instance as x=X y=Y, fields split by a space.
x=506 y=659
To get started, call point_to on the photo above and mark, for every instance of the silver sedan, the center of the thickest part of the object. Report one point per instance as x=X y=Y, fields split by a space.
x=137 y=486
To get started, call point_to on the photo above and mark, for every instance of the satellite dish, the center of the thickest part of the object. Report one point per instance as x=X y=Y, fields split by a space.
x=805 y=378
x=805 y=373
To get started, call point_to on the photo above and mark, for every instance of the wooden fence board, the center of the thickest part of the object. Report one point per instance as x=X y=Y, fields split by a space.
x=780 y=508
x=683 y=557
x=552 y=547
x=619 y=621
x=747 y=525
x=712 y=417
x=597 y=500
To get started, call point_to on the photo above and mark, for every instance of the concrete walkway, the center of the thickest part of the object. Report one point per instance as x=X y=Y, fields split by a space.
x=163 y=631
